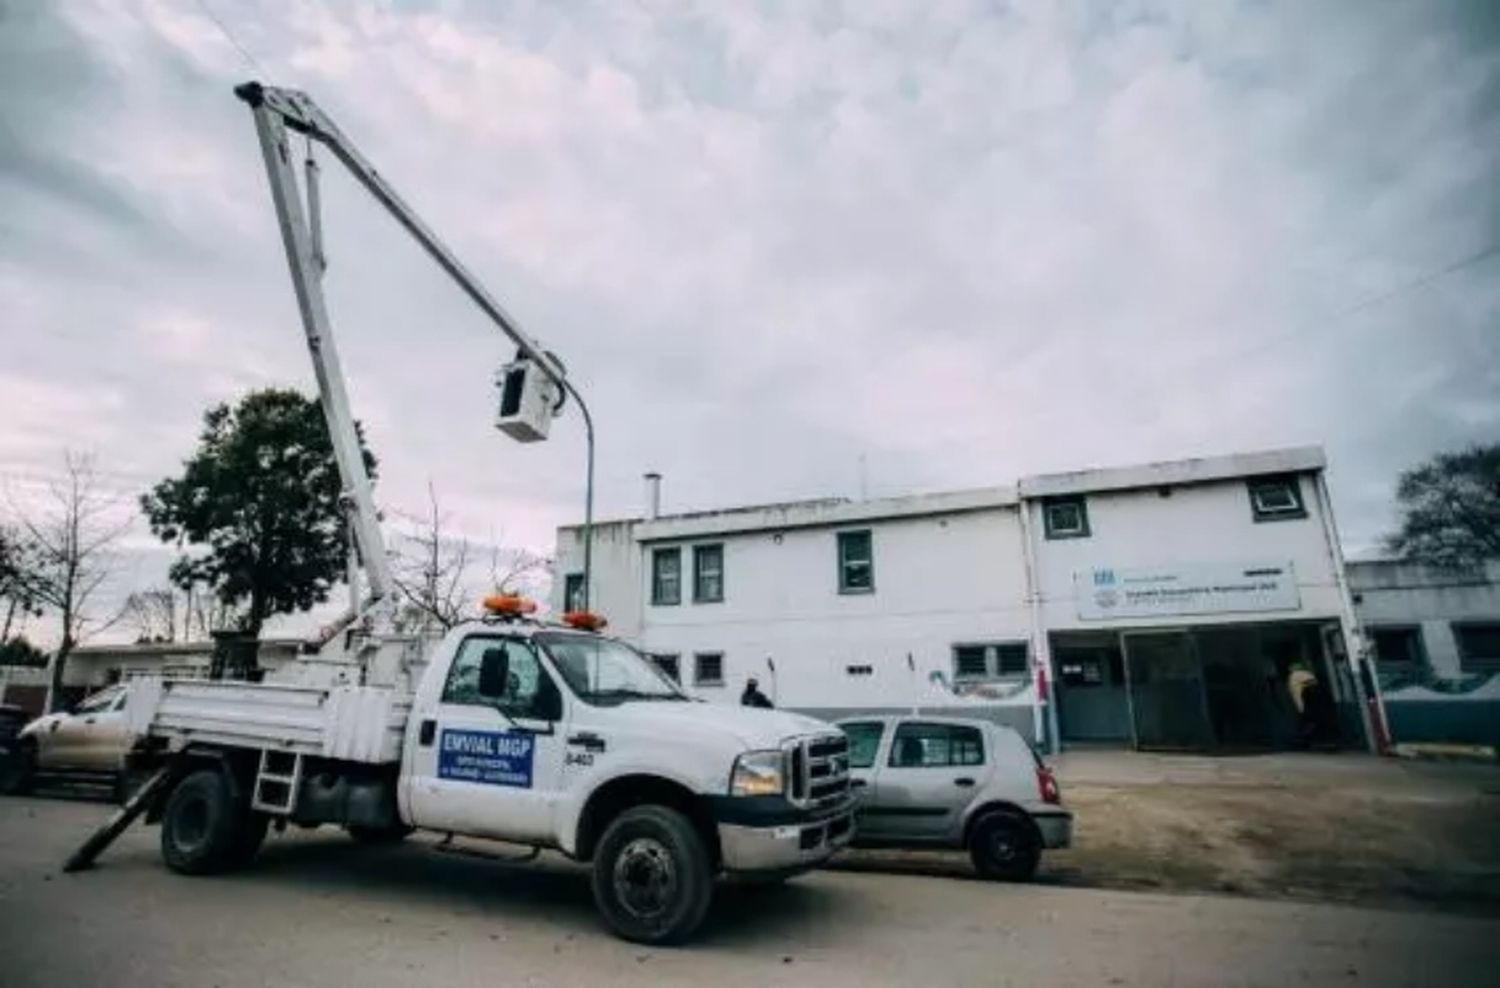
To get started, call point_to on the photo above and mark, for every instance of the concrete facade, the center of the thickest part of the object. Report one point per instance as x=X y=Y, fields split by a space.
x=975 y=578
x=1435 y=634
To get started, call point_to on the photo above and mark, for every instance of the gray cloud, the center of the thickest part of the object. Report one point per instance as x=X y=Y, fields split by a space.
x=965 y=241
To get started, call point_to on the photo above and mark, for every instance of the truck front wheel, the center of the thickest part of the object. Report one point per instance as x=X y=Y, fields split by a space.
x=203 y=828
x=652 y=879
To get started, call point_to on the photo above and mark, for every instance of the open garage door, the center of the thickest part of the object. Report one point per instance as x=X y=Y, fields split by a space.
x=1168 y=703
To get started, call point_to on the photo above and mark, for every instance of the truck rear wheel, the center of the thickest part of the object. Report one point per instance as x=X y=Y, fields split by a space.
x=204 y=830
x=652 y=879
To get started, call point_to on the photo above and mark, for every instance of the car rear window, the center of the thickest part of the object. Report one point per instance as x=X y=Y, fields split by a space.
x=919 y=745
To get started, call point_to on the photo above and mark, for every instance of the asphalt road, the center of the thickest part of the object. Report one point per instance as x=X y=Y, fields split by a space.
x=318 y=910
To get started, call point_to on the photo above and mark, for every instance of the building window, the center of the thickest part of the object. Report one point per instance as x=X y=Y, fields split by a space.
x=708 y=574
x=708 y=669
x=670 y=665
x=1065 y=518
x=856 y=562
x=1478 y=645
x=1397 y=646
x=999 y=660
x=666 y=577
x=573 y=592
x=1276 y=498
x=919 y=745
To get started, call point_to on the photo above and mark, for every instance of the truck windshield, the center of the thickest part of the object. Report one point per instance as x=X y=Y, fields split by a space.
x=602 y=671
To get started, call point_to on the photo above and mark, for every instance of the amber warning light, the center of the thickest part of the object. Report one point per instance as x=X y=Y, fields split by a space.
x=509 y=604
x=584 y=620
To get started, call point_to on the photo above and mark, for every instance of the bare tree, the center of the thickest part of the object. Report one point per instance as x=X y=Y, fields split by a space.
x=204 y=612
x=69 y=539
x=517 y=570
x=431 y=569
x=153 y=613
x=434 y=570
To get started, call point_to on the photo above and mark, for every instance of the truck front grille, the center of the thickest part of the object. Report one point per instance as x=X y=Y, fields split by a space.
x=819 y=769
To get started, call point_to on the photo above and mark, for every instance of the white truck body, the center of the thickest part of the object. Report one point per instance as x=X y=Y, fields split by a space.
x=549 y=763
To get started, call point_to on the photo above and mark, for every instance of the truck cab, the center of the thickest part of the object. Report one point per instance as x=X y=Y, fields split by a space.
x=528 y=732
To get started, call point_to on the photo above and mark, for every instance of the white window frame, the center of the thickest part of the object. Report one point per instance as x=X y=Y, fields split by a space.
x=1263 y=511
x=1055 y=531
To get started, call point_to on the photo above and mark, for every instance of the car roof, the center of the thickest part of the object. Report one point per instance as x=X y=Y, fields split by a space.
x=979 y=722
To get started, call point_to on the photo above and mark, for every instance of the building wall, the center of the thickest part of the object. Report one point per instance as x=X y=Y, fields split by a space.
x=1208 y=523
x=1438 y=701
x=938 y=581
x=616 y=578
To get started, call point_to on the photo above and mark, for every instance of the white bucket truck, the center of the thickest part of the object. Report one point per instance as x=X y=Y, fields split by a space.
x=552 y=736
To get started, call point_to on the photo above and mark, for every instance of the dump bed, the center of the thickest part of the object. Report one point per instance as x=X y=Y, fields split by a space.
x=353 y=723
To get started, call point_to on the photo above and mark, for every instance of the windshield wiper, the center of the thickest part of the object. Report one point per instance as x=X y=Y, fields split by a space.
x=625 y=693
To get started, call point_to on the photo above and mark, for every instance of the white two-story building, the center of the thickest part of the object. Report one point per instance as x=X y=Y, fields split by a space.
x=1158 y=605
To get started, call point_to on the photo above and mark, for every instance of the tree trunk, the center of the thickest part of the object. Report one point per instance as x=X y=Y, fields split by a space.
x=55 y=699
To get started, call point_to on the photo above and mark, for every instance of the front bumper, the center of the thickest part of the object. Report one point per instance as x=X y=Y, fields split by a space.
x=788 y=840
x=1056 y=828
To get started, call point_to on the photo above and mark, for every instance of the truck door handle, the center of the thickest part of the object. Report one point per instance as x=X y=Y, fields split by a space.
x=426 y=733
x=964 y=782
x=587 y=740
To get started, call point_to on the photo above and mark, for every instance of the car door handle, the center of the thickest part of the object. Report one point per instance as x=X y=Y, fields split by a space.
x=964 y=782
x=88 y=720
x=858 y=783
x=587 y=740
x=427 y=732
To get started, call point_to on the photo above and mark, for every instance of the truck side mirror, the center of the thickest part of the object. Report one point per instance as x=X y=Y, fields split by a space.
x=494 y=673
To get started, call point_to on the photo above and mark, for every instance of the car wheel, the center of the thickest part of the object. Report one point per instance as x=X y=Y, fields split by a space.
x=18 y=770
x=203 y=829
x=379 y=835
x=652 y=879
x=1005 y=848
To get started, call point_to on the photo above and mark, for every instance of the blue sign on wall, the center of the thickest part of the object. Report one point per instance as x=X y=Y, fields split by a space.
x=491 y=758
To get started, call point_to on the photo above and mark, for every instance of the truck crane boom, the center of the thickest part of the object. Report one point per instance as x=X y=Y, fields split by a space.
x=277 y=111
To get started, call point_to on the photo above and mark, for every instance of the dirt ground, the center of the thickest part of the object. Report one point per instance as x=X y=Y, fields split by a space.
x=1314 y=827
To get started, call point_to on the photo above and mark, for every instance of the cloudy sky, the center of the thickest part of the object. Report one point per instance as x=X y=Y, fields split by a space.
x=957 y=241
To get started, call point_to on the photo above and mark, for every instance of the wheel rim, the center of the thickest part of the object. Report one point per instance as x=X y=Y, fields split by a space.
x=1004 y=846
x=190 y=824
x=645 y=877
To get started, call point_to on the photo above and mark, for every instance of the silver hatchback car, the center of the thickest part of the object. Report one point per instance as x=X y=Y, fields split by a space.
x=946 y=782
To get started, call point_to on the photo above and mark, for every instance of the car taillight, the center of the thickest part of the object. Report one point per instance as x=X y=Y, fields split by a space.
x=1046 y=784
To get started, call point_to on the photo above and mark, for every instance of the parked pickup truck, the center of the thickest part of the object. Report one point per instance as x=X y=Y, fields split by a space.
x=519 y=731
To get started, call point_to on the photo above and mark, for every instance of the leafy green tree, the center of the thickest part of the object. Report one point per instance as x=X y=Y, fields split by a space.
x=259 y=499
x=1450 y=509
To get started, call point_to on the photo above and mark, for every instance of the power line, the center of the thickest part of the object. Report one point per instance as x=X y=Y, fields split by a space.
x=229 y=36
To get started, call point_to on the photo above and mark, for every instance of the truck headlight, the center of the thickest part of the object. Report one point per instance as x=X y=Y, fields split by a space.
x=758 y=773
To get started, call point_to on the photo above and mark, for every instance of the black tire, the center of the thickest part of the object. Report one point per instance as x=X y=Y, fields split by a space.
x=1005 y=848
x=652 y=878
x=379 y=835
x=18 y=770
x=204 y=829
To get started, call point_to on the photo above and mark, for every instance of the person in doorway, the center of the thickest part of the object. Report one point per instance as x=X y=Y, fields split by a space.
x=1300 y=686
x=753 y=697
